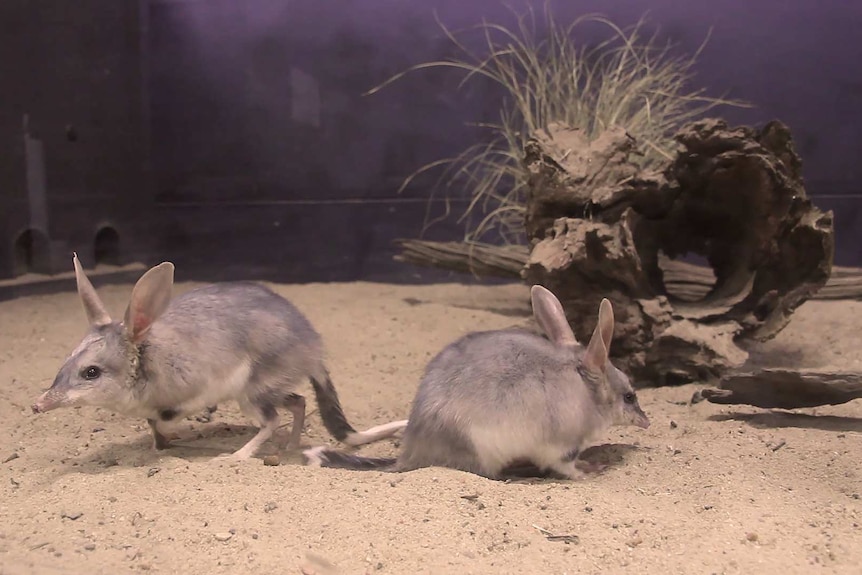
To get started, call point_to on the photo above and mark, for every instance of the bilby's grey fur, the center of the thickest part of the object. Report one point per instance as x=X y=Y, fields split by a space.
x=169 y=358
x=496 y=397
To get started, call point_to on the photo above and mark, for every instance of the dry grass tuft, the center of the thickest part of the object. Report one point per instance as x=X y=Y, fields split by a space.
x=628 y=80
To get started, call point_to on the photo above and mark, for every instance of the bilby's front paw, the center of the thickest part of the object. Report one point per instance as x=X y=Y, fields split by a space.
x=163 y=441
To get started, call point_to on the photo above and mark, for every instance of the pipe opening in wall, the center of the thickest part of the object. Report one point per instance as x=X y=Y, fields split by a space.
x=106 y=246
x=31 y=252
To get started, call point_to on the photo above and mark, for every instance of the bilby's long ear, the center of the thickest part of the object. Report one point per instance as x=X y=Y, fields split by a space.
x=552 y=319
x=97 y=315
x=150 y=298
x=596 y=356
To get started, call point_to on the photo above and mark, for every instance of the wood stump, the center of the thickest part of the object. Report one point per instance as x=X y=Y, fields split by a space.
x=600 y=226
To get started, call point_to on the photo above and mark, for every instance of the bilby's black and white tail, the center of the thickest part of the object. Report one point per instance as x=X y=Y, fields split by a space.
x=324 y=456
x=335 y=421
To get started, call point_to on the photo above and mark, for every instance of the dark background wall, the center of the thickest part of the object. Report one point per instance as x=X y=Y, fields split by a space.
x=73 y=94
x=267 y=161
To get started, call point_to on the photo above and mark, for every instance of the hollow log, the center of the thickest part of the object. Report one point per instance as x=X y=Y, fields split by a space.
x=601 y=226
x=733 y=196
x=786 y=389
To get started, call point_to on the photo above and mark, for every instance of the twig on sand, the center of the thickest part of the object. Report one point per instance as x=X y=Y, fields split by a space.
x=554 y=537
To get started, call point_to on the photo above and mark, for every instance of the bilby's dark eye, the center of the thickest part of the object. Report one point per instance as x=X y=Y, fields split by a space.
x=629 y=397
x=91 y=372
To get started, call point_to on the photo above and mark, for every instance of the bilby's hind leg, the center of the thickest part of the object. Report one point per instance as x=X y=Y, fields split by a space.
x=567 y=469
x=571 y=466
x=266 y=413
x=160 y=440
x=295 y=404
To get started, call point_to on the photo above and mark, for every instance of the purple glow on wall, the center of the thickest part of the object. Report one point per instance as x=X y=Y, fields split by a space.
x=262 y=99
x=795 y=60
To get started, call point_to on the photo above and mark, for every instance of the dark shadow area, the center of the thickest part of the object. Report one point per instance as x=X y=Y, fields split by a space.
x=775 y=356
x=301 y=242
x=779 y=419
x=204 y=442
x=508 y=312
x=607 y=454
x=524 y=311
x=106 y=247
x=32 y=253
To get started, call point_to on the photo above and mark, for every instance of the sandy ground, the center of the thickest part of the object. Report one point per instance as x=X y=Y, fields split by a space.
x=707 y=489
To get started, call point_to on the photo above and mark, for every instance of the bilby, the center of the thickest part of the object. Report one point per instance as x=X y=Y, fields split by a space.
x=494 y=398
x=171 y=357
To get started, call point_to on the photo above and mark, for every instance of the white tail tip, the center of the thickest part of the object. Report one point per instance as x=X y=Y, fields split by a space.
x=314 y=457
x=375 y=433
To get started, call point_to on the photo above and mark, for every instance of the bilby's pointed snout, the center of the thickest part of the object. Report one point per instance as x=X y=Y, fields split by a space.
x=642 y=420
x=48 y=401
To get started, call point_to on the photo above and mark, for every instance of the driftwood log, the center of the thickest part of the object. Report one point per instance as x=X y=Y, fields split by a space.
x=684 y=279
x=600 y=226
x=768 y=388
x=732 y=196
x=787 y=389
